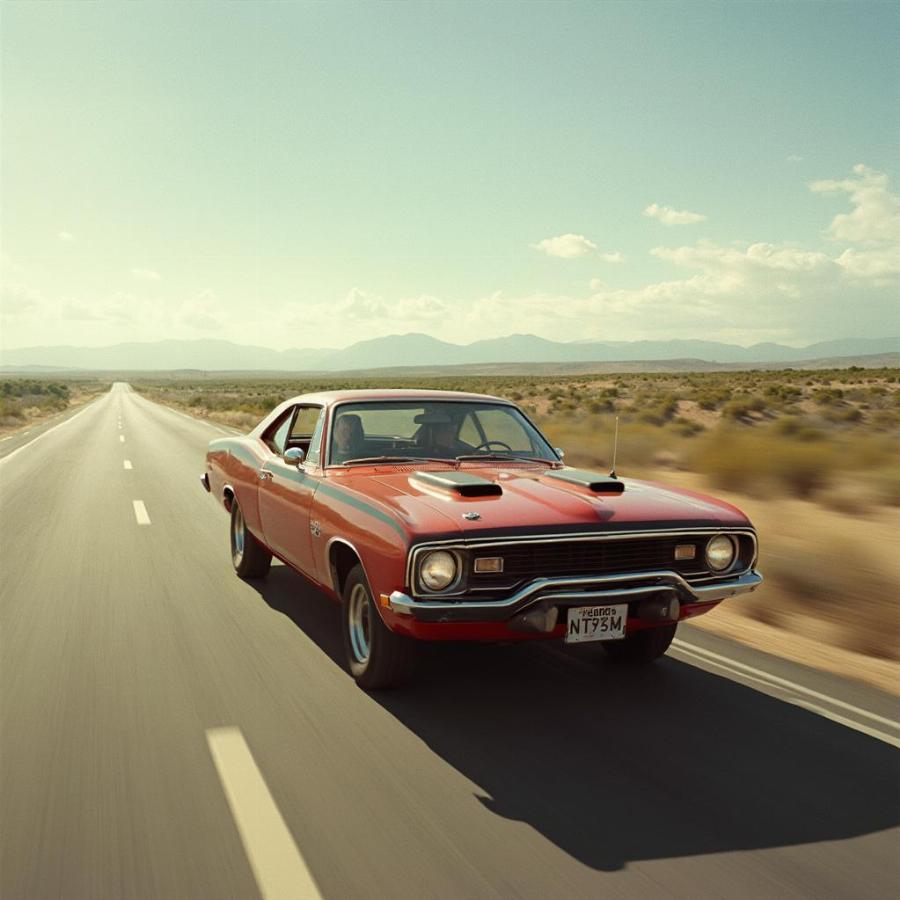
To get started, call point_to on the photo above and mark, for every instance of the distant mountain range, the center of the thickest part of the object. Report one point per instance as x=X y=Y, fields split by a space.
x=420 y=350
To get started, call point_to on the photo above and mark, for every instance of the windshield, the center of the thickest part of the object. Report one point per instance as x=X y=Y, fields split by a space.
x=404 y=430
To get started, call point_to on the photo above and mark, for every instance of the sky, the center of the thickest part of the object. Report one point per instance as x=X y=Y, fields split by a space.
x=310 y=175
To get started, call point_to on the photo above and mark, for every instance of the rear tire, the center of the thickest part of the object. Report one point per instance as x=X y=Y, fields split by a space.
x=643 y=647
x=248 y=556
x=377 y=658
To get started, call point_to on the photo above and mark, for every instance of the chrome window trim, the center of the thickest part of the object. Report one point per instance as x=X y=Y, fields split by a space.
x=491 y=401
x=462 y=546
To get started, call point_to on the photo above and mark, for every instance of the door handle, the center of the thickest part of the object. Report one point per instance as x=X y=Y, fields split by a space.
x=265 y=475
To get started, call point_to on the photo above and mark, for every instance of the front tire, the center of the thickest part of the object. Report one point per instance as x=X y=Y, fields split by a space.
x=377 y=658
x=248 y=556
x=643 y=647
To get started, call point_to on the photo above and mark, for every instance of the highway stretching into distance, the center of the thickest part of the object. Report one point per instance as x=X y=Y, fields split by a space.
x=169 y=731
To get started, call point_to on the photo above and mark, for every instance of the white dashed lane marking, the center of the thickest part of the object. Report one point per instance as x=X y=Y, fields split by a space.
x=121 y=438
x=126 y=463
x=280 y=870
x=140 y=512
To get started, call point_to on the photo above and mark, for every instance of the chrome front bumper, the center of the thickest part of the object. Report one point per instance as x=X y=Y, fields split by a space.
x=575 y=591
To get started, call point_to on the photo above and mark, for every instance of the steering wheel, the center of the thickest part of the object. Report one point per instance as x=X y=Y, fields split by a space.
x=486 y=445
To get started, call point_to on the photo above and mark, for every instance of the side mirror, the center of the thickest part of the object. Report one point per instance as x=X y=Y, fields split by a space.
x=559 y=452
x=293 y=456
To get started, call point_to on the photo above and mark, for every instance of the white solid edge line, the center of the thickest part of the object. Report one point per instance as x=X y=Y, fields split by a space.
x=843 y=720
x=280 y=870
x=190 y=418
x=765 y=687
x=194 y=419
x=140 y=512
x=126 y=464
x=781 y=682
x=49 y=430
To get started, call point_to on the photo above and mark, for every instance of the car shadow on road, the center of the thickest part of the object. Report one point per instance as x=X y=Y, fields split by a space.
x=615 y=765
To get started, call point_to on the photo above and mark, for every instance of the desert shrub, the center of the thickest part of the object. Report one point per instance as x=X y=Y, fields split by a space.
x=740 y=408
x=747 y=461
x=885 y=419
x=885 y=484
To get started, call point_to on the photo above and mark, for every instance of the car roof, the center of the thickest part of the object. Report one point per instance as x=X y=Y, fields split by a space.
x=329 y=398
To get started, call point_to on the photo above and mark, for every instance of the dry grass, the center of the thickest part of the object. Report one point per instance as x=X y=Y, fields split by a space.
x=830 y=598
x=24 y=401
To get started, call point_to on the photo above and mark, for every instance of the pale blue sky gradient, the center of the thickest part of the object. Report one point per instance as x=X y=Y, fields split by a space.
x=308 y=175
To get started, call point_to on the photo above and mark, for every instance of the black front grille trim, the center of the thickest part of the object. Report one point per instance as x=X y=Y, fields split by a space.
x=523 y=563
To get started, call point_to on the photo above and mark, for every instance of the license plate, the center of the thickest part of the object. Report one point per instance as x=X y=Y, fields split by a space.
x=596 y=623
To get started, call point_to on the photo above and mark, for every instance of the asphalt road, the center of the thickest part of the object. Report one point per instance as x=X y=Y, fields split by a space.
x=169 y=731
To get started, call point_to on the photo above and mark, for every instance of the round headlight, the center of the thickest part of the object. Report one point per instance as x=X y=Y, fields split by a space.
x=437 y=570
x=720 y=553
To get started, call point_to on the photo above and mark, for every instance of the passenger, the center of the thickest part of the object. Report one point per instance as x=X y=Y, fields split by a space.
x=349 y=438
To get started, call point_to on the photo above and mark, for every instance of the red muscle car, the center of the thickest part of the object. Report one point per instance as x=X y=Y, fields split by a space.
x=436 y=515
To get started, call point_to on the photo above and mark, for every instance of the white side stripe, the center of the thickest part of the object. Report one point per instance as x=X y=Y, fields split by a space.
x=280 y=870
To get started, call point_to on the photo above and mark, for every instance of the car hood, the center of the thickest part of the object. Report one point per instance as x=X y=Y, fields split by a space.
x=532 y=503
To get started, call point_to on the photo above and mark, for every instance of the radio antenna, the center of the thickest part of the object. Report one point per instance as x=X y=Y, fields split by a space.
x=612 y=473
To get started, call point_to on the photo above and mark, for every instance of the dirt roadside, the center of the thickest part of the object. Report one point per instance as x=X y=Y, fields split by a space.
x=830 y=600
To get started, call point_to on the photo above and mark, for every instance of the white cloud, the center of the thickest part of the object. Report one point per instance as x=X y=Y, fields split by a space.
x=613 y=257
x=66 y=236
x=669 y=216
x=738 y=291
x=794 y=158
x=146 y=274
x=18 y=299
x=878 y=264
x=875 y=217
x=566 y=246
x=201 y=313
x=360 y=305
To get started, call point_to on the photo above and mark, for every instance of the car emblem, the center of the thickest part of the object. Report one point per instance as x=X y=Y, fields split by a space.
x=472 y=516
x=315 y=528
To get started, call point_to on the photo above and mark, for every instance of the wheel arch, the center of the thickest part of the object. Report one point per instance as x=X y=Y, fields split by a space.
x=342 y=557
x=228 y=497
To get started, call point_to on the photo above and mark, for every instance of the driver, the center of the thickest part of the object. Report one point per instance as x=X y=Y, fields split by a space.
x=444 y=441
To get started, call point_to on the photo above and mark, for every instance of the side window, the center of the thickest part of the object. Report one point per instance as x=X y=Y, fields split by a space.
x=305 y=423
x=315 y=442
x=277 y=435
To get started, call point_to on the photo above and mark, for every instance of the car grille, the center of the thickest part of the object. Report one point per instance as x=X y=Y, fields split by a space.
x=525 y=562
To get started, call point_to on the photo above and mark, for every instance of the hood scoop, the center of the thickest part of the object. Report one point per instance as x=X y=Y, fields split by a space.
x=461 y=483
x=599 y=484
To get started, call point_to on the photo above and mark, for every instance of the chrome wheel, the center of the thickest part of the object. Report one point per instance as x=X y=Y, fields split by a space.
x=237 y=536
x=358 y=623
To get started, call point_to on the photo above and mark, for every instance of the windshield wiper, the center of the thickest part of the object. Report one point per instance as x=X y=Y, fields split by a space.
x=503 y=456
x=376 y=459
x=393 y=459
